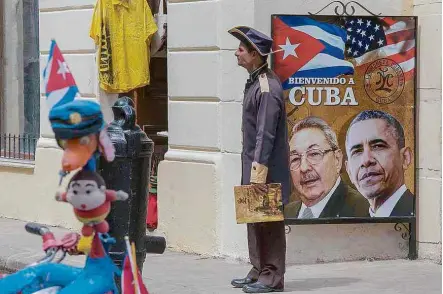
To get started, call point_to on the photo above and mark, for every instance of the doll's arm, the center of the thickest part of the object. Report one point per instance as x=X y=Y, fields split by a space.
x=61 y=196
x=112 y=195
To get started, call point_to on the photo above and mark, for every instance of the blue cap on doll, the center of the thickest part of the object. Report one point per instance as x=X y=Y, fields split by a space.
x=76 y=119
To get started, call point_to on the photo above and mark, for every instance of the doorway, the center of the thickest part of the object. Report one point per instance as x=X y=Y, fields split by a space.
x=152 y=106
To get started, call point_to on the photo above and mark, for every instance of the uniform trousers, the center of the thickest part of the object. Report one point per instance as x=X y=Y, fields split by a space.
x=267 y=253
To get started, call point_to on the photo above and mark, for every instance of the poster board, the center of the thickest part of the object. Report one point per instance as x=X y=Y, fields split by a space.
x=350 y=89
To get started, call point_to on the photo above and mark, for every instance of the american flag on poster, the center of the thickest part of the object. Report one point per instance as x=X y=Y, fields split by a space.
x=371 y=38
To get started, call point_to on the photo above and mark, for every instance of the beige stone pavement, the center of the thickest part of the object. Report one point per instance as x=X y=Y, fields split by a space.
x=175 y=272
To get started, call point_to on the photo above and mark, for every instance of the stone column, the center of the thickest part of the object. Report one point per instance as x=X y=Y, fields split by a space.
x=196 y=207
x=429 y=128
x=56 y=22
x=12 y=104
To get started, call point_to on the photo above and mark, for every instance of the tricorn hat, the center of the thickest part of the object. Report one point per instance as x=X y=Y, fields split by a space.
x=258 y=40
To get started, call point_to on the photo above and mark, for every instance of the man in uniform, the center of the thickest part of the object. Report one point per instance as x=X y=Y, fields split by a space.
x=265 y=158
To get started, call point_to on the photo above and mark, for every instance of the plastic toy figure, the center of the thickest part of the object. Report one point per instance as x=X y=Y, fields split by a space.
x=81 y=132
x=49 y=276
x=92 y=203
x=77 y=123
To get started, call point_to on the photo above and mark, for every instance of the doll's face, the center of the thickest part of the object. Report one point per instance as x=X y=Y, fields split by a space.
x=85 y=194
x=78 y=151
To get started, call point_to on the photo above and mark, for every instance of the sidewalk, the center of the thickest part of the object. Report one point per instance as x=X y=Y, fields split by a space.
x=175 y=272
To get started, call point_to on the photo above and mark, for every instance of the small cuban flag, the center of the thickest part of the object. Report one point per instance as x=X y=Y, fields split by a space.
x=306 y=48
x=60 y=86
x=131 y=280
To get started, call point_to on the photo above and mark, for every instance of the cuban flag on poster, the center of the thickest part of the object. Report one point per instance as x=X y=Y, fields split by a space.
x=308 y=48
x=60 y=86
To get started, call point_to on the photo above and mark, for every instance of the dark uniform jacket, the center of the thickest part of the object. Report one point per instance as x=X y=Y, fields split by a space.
x=344 y=202
x=265 y=154
x=404 y=206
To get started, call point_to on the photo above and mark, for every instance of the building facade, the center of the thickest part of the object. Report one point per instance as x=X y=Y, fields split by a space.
x=202 y=164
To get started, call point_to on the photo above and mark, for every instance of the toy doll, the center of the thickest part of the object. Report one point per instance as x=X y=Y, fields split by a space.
x=87 y=193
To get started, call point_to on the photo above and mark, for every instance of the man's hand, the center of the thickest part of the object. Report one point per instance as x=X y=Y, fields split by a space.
x=260 y=188
x=122 y=195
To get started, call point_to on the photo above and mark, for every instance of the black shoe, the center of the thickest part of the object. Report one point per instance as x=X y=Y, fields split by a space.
x=239 y=283
x=258 y=287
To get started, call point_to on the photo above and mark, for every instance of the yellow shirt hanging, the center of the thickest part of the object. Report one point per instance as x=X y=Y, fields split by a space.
x=122 y=29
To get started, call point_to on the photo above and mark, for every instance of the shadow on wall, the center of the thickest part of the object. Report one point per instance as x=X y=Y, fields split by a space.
x=308 y=244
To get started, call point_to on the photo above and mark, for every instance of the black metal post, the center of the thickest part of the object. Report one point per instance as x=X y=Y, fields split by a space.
x=129 y=172
x=412 y=240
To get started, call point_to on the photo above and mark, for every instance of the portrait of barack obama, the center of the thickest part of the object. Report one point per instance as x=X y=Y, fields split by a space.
x=377 y=158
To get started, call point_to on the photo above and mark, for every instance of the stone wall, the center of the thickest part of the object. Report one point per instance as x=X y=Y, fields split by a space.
x=429 y=128
x=196 y=180
x=32 y=186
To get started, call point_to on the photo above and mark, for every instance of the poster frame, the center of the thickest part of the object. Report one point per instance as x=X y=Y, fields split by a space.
x=405 y=225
